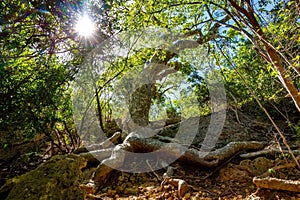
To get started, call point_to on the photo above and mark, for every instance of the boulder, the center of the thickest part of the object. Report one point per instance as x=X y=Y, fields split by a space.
x=58 y=178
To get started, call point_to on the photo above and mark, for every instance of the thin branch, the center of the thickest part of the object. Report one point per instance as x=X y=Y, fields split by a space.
x=261 y=106
x=178 y=4
x=222 y=22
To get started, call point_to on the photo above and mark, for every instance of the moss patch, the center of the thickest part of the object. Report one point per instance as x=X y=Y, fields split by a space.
x=58 y=178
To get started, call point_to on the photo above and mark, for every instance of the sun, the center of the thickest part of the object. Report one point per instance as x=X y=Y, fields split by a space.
x=85 y=26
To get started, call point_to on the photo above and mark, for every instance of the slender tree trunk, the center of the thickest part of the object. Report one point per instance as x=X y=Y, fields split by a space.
x=100 y=118
x=285 y=80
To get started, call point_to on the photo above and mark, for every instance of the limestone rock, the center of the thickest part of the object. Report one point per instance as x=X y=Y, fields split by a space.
x=245 y=169
x=258 y=166
x=58 y=178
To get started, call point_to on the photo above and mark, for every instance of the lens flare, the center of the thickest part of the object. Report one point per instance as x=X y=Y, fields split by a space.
x=85 y=26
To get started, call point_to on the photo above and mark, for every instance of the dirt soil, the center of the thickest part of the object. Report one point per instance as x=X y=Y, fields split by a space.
x=203 y=184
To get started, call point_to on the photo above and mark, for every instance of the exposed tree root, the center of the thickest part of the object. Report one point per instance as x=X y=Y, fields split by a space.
x=97 y=156
x=103 y=145
x=264 y=152
x=277 y=184
x=104 y=170
x=123 y=153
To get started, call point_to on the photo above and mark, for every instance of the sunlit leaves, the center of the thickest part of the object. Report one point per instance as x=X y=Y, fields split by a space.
x=34 y=78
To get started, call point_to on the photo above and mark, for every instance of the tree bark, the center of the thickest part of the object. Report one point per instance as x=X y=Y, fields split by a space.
x=139 y=105
x=166 y=152
x=277 y=184
x=140 y=100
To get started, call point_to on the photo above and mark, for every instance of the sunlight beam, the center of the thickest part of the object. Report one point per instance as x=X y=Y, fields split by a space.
x=85 y=26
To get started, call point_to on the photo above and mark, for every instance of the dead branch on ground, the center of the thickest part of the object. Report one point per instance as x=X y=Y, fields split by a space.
x=277 y=184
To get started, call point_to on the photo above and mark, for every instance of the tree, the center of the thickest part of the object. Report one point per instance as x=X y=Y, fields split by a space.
x=207 y=22
x=39 y=56
x=265 y=48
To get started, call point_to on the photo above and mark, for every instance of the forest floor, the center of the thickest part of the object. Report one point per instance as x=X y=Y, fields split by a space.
x=228 y=181
x=203 y=184
x=233 y=179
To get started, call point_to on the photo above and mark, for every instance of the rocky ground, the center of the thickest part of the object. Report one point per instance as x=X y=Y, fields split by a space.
x=67 y=176
x=232 y=181
x=62 y=177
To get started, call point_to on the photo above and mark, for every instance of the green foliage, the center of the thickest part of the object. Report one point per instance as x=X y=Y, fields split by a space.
x=271 y=171
x=183 y=17
x=253 y=70
x=5 y=146
x=35 y=69
x=40 y=54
